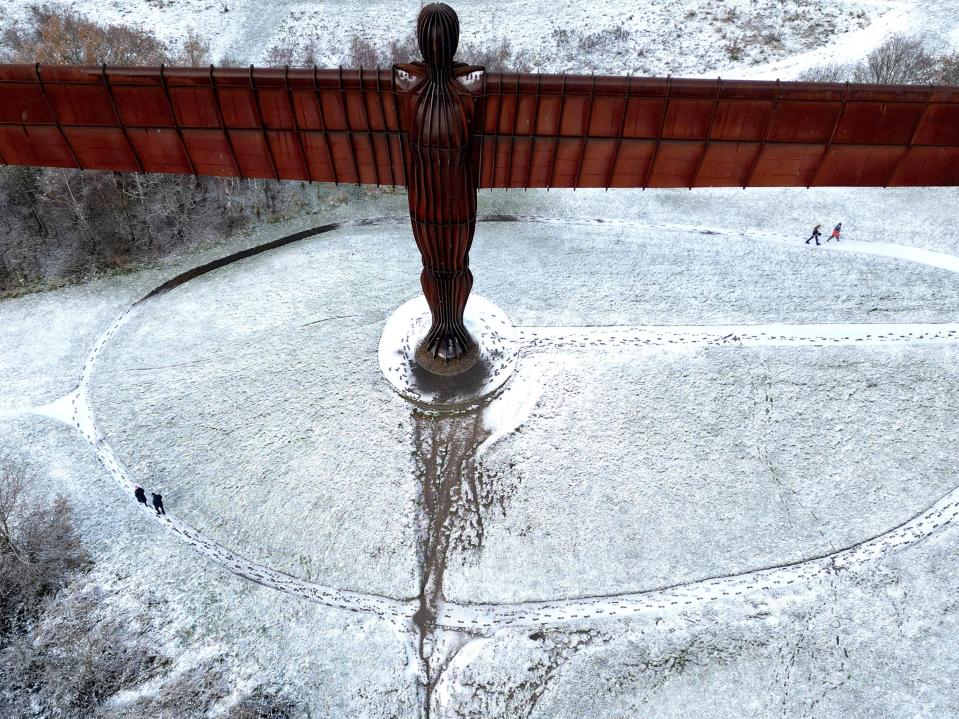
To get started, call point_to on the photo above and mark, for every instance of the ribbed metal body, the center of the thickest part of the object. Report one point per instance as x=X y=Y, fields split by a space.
x=442 y=185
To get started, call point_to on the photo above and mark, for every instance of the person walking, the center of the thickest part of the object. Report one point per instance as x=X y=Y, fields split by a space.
x=816 y=234
x=158 y=504
x=836 y=231
x=140 y=495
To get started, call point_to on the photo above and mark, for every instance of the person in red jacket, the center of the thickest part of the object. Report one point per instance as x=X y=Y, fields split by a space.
x=836 y=231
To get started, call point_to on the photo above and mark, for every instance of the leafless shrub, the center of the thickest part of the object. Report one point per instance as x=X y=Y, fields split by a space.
x=194 y=52
x=263 y=703
x=61 y=225
x=591 y=50
x=281 y=55
x=293 y=50
x=831 y=72
x=39 y=548
x=497 y=58
x=771 y=38
x=230 y=59
x=402 y=50
x=605 y=39
x=52 y=33
x=190 y=692
x=735 y=48
x=949 y=70
x=88 y=657
x=69 y=650
x=363 y=53
x=901 y=60
x=77 y=656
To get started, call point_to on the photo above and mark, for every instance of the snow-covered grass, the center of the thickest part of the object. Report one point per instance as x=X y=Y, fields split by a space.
x=253 y=351
x=726 y=460
x=278 y=374
x=253 y=401
x=336 y=663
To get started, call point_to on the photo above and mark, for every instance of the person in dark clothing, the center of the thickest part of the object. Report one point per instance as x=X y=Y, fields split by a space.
x=836 y=231
x=158 y=503
x=140 y=495
x=816 y=234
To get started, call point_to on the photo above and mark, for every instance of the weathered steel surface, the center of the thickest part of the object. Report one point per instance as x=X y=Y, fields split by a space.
x=584 y=131
x=319 y=125
x=439 y=111
x=528 y=130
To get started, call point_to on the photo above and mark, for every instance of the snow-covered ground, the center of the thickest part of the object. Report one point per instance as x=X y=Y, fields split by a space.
x=754 y=38
x=617 y=462
x=722 y=481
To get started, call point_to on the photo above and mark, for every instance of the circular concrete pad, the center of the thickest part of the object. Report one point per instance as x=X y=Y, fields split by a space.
x=497 y=353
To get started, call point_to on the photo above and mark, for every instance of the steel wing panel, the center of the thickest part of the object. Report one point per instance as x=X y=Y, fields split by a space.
x=602 y=132
x=530 y=130
x=315 y=125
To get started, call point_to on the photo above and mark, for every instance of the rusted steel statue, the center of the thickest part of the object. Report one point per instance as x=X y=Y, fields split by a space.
x=438 y=118
x=444 y=129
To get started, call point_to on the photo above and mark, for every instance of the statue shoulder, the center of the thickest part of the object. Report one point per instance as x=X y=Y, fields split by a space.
x=408 y=75
x=469 y=77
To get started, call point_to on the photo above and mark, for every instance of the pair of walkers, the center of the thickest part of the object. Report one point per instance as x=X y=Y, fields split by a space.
x=142 y=499
x=816 y=234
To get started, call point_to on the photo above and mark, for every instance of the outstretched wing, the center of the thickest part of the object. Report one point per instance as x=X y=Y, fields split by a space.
x=531 y=130
x=317 y=125
x=586 y=131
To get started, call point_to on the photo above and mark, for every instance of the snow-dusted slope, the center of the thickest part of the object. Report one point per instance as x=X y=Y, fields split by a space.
x=701 y=399
x=691 y=37
x=701 y=456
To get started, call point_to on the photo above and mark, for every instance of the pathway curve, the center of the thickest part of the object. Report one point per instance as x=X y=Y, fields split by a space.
x=74 y=409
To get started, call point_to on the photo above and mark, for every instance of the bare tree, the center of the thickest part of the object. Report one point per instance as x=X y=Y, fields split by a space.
x=195 y=51
x=831 y=72
x=39 y=547
x=901 y=60
x=85 y=652
x=949 y=70
x=52 y=33
x=13 y=489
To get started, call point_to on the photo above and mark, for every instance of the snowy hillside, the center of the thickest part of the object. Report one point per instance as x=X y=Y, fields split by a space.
x=732 y=37
x=721 y=480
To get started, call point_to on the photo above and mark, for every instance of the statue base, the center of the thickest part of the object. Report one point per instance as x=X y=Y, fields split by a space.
x=447 y=367
x=438 y=384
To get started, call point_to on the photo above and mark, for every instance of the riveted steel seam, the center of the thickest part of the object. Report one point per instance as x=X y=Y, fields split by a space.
x=709 y=134
x=659 y=136
x=120 y=123
x=176 y=123
x=226 y=132
x=296 y=123
x=324 y=129
x=766 y=130
x=56 y=118
x=619 y=137
x=259 y=119
x=912 y=138
x=832 y=136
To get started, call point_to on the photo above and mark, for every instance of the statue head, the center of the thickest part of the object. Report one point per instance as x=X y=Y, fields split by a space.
x=438 y=34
